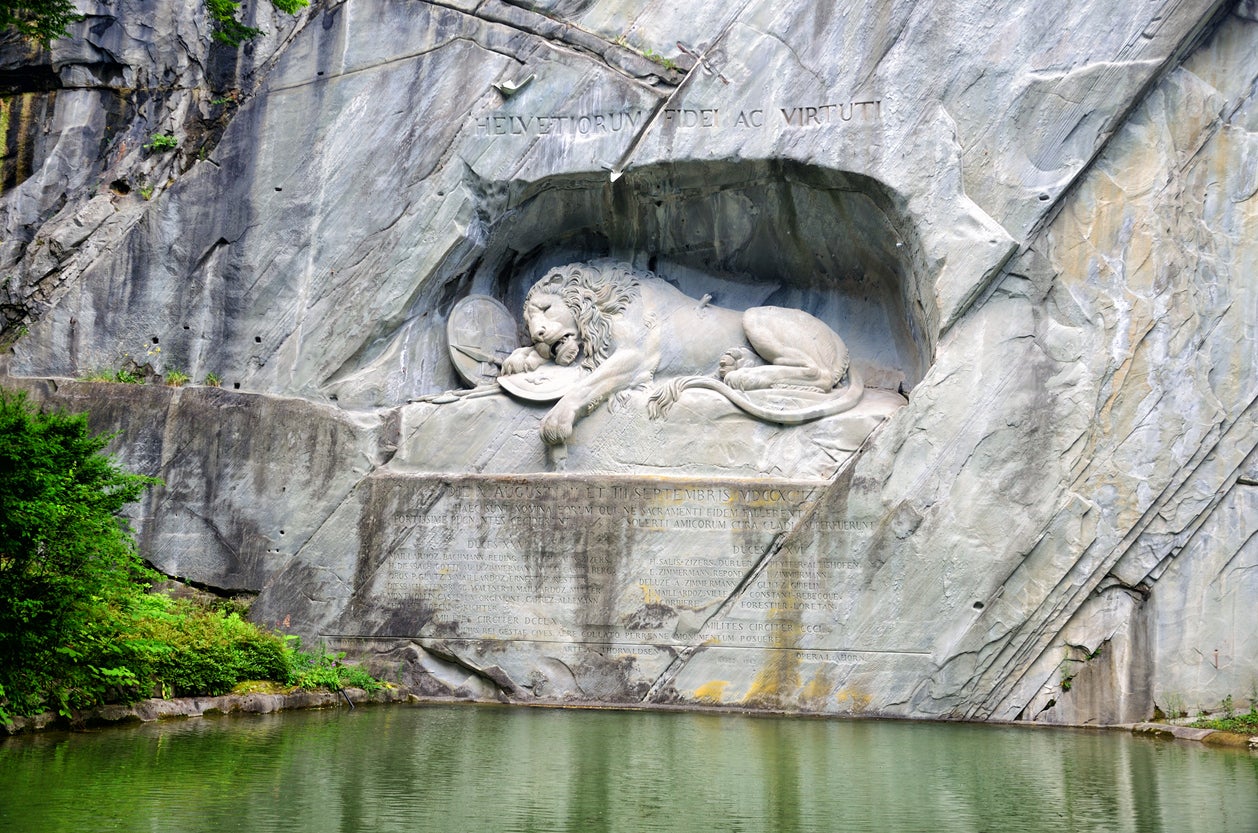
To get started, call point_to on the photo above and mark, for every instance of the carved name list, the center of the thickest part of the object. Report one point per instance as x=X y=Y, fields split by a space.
x=593 y=560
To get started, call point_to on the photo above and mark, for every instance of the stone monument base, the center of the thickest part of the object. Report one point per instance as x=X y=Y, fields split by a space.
x=606 y=589
x=703 y=434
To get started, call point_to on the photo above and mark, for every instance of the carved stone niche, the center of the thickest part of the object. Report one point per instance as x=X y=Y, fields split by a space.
x=703 y=266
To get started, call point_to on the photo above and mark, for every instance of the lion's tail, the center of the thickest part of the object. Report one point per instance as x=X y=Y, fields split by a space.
x=665 y=396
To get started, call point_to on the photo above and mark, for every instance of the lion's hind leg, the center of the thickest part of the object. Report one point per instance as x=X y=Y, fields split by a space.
x=736 y=358
x=801 y=351
x=791 y=369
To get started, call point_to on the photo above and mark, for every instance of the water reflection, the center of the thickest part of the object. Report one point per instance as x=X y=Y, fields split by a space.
x=453 y=769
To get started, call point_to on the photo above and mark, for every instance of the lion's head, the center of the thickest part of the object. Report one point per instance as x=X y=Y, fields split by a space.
x=594 y=292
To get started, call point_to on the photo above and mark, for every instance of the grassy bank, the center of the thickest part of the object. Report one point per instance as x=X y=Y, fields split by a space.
x=1239 y=724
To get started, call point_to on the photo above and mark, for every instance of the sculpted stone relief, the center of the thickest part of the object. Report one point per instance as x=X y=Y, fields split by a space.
x=662 y=381
x=480 y=333
x=618 y=328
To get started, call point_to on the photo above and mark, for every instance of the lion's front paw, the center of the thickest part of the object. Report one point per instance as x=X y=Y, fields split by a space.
x=522 y=360
x=557 y=425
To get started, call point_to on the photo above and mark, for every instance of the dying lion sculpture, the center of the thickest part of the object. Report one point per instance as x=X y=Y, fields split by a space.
x=629 y=328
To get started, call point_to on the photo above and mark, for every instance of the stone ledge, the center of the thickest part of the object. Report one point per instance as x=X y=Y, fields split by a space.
x=1217 y=738
x=1210 y=737
x=1178 y=732
x=146 y=711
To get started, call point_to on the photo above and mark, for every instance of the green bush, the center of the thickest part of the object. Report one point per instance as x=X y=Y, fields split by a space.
x=1241 y=724
x=43 y=21
x=325 y=670
x=194 y=650
x=46 y=20
x=66 y=557
x=227 y=27
x=262 y=658
x=159 y=142
x=77 y=627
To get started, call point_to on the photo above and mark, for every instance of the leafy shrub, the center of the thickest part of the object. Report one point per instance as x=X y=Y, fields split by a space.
x=354 y=677
x=160 y=142
x=43 y=21
x=202 y=651
x=325 y=670
x=46 y=20
x=263 y=658
x=66 y=557
x=1241 y=724
x=227 y=27
x=77 y=627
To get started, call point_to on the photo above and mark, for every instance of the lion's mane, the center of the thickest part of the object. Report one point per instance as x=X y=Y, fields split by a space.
x=595 y=292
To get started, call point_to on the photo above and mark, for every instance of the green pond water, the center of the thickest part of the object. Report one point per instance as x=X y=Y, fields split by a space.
x=483 y=769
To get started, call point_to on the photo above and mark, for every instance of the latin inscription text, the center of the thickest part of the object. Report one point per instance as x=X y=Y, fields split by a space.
x=680 y=118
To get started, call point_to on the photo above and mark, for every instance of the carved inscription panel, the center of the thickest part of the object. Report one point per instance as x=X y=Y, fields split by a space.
x=630 y=561
x=796 y=116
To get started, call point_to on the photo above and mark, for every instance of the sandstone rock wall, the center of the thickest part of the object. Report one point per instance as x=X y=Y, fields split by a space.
x=1038 y=223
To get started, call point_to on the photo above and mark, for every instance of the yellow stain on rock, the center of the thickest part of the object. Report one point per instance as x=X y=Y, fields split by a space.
x=711 y=692
x=817 y=690
x=4 y=127
x=776 y=682
x=28 y=104
x=853 y=699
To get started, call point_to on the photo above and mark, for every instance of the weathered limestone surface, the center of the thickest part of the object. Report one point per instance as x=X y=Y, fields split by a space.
x=1037 y=223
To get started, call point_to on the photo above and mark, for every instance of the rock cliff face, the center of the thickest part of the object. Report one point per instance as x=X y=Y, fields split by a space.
x=1038 y=225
